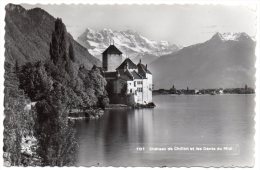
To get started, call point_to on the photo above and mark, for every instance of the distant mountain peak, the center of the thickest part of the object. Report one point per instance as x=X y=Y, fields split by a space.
x=130 y=31
x=226 y=60
x=130 y=42
x=12 y=7
x=230 y=36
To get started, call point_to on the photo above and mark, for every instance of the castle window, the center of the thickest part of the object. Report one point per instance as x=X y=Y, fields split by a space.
x=139 y=89
x=139 y=82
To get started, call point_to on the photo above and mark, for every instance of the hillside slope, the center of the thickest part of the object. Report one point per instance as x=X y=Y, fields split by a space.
x=226 y=60
x=28 y=36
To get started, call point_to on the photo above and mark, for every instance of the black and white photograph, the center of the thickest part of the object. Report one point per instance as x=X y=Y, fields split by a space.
x=129 y=85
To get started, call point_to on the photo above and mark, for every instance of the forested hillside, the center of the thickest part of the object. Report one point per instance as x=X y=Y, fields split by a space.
x=46 y=75
x=28 y=34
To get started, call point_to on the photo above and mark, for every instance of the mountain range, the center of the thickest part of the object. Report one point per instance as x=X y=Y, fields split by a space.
x=225 y=60
x=131 y=43
x=28 y=36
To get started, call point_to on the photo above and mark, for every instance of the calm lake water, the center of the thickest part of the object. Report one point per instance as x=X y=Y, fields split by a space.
x=127 y=137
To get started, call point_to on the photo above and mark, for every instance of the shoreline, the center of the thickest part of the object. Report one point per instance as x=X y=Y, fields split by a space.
x=157 y=94
x=86 y=114
x=77 y=114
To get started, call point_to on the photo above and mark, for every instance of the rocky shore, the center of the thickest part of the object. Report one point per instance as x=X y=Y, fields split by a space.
x=77 y=114
x=86 y=114
x=135 y=106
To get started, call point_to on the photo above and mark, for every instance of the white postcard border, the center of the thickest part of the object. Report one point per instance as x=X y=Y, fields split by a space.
x=250 y=3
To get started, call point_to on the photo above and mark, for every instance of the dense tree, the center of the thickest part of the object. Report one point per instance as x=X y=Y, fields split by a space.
x=18 y=122
x=35 y=81
x=16 y=67
x=59 y=54
x=51 y=123
x=93 y=87
x=57 y=143
x=71 y=53
x=98 y=81
x=59 y=43
x=56 y=85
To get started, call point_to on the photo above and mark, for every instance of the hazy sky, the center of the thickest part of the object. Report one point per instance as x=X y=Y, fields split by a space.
x=180 y=24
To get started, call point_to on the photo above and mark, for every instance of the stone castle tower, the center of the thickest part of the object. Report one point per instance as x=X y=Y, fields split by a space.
x=111 y=58
x=126 y=77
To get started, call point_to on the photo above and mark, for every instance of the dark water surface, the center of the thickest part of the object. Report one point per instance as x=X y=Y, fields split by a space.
x=188 y=121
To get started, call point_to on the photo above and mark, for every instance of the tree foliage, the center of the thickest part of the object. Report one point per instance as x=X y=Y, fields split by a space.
x=71 y=53
x=57 y=85
x=57 y=143
x=58 y=43
x=35 y=81
x=18 y=122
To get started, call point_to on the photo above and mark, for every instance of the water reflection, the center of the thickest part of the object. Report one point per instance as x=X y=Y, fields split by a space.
x=140 y=126
x=124 y=131
x=112 y=140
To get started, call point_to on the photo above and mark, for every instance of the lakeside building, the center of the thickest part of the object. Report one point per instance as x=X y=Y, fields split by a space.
x=126 y=79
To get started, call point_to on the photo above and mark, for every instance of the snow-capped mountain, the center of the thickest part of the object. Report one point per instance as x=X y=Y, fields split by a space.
x=225 y=60
x=132 y=44
x=229 y=36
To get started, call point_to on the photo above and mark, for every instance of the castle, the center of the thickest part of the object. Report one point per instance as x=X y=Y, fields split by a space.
x=127 y=78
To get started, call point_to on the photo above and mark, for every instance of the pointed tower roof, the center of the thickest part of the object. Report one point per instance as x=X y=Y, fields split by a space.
x=143 y=69
x=112 y=49
x=129 y=63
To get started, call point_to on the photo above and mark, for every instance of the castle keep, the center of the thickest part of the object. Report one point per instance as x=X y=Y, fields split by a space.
x=125 y=78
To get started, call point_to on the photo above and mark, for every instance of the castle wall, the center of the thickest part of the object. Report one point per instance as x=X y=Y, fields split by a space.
x=112 y=61
x=139 y=94
x=104 y=62
x=142 y=91
x=149 y=88
x=130 y=87
x=145 y=96
x=118 y=86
